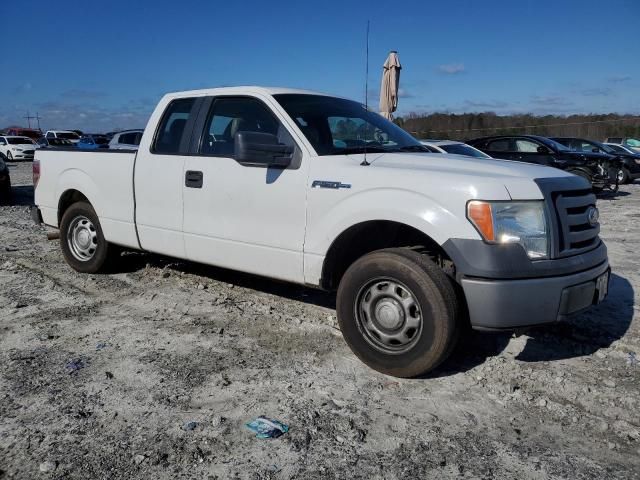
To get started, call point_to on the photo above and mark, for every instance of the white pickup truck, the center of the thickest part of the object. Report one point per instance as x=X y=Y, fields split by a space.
x=316 y=190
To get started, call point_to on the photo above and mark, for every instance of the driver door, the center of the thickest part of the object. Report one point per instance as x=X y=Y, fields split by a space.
x=249 y=218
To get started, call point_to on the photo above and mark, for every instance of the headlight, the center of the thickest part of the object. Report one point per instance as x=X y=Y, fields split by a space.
x=512 y=222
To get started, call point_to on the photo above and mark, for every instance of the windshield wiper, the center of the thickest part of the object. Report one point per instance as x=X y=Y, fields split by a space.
x=361 y=149
x=413 y=148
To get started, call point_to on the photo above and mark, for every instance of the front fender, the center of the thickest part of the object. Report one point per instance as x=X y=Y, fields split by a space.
x=408 y=207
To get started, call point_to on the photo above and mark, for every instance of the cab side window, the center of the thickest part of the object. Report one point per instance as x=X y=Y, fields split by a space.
x=169 y=136
x=500 y=145
x=526 y=146
x=230 y=115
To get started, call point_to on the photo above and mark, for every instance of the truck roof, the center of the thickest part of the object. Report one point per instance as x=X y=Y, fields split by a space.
x=242 y=90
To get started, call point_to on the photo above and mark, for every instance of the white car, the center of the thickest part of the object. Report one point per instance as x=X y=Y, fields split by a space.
x=126 y=140
x=317 y=190
x=73 y=137
x=17 y=148
x=453 y=147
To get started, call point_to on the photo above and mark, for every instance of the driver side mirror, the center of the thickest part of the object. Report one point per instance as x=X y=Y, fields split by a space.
x=259 y=149
x=543 y=150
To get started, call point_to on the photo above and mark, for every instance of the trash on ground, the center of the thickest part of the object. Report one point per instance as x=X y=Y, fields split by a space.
x=189 y=426
x=101 y=345
x=267 y=428
x=75 y=365
x=632 y=359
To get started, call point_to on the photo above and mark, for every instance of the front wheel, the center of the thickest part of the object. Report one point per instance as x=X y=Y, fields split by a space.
x=623 y=176
x=398 y=312
x=82 y=241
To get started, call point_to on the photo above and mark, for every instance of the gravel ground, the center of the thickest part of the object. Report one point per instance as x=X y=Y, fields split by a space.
x=102 y=375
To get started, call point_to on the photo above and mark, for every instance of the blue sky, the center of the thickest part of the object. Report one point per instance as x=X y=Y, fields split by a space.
x=103 y=65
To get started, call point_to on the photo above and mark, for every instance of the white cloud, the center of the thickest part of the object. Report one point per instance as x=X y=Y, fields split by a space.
x=451 y=68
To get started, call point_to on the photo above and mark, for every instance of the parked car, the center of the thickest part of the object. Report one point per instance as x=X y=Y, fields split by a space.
x=66 y=134
x=632 y=143
x=126 y=140
x=600 y=169
x=24 y=132
x=278 y=183
x=630 y=162
x=5 y=178
x=91 y=142
x=45 y=142
x=621 y=148
x=17 y=148
x=453 y=147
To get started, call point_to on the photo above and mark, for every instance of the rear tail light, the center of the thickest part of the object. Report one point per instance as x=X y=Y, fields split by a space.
x=36 y=173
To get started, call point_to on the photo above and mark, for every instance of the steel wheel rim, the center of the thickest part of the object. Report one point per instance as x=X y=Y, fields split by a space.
x=388 y=316
x=82 y=239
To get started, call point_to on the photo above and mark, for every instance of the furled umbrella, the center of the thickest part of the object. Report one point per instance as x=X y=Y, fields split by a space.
x=390 y=84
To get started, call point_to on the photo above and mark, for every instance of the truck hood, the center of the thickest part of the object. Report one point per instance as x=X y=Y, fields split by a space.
x=500 y=170
x=478 y=176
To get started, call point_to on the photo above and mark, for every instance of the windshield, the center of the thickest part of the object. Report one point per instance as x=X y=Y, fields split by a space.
x=462 y=149
x=337 y=126
x=617 y=148
x=555 y=145
x=68 y=135
x=20 y=141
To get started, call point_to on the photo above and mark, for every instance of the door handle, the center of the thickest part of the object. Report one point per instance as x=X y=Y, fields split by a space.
x=193 y=179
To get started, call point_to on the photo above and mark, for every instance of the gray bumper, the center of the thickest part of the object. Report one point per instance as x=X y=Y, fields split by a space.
x=36 y=215
x=514 y=303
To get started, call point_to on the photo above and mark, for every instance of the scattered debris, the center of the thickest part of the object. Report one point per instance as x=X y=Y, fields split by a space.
x=109 y=375
x=75 y=365
x=267 y=428
x=101 y=346
x=138 y=459
x=189 y=426
x=48 y=466
x=632 y=359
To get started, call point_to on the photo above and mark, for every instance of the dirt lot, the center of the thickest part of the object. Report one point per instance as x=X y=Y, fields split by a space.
x=101 y=376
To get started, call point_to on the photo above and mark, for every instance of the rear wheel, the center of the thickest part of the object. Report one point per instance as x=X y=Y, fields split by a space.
x=82 y=241
x=398 y=312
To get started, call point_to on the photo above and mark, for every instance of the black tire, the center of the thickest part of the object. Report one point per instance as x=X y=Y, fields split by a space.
x=104 y=255
x=437 y=304
x=623 y=176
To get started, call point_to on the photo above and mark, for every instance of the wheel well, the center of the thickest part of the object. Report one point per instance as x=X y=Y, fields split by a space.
x=367 y=237
x=67 y=199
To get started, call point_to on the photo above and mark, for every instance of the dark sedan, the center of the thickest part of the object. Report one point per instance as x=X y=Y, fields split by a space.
x=5 y=178
x=600 y=169
x=630 y=161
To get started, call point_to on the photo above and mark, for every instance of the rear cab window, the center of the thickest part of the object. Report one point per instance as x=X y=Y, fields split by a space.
x=171 y=135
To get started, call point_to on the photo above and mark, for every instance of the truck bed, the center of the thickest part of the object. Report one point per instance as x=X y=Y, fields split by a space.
x=104 y=177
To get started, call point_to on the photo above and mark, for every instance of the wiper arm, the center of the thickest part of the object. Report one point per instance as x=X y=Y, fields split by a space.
x=361 y=149
x=413 y=148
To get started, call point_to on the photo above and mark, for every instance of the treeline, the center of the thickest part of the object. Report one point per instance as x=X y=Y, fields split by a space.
x=472 y=125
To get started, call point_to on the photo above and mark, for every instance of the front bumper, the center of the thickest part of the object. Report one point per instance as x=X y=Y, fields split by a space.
x=516 y=303
x=36 y=215
x=504 y=289
x=22 y=156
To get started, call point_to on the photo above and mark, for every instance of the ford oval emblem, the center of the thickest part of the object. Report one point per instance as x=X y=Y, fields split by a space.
x=593 y=215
